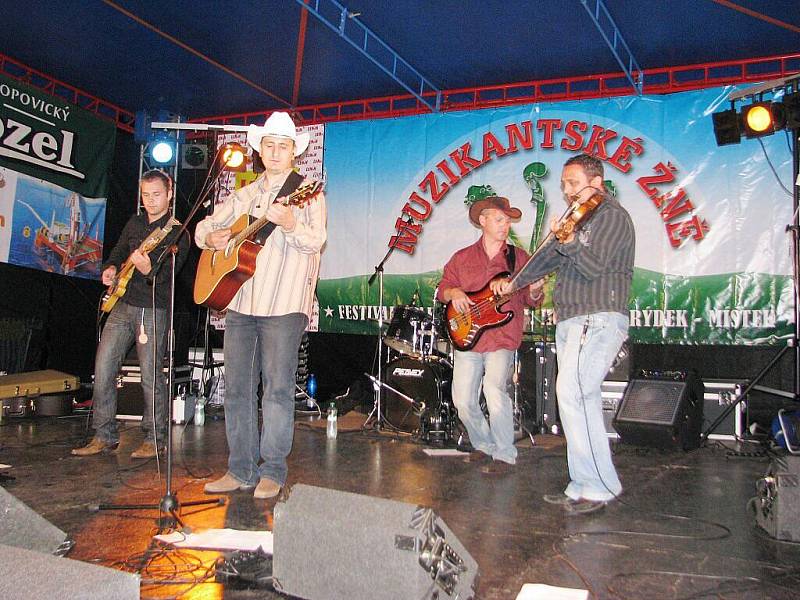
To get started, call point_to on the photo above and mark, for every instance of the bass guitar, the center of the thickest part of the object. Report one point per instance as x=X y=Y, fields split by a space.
x=221 y=273
x=465 y=329
x=119 y=286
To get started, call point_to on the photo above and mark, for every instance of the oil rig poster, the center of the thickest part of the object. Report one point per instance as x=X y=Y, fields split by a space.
x=54 y=167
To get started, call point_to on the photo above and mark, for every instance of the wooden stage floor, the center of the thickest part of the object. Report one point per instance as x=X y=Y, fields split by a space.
x=629 y=550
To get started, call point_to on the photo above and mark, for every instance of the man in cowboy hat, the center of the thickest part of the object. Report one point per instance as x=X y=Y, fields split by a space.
x=267 y=316
x=488 y=365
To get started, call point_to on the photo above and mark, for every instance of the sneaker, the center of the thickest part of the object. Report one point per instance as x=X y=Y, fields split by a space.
x=584 y=506
x=146 y=450
x=226 y=483
x=266 y=488
x=558 y=499
x=96 y=446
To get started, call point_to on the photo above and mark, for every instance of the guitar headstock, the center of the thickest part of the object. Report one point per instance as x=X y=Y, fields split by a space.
x=303 y=194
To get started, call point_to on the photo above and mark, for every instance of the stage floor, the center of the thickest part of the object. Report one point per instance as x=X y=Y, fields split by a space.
x=629 y=550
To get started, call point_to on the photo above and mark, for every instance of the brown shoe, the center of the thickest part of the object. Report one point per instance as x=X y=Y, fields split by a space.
x=497 y=467
x=226 y=483
x=266 y=488
x=477 y=457
x=96 y=446
x=146 y=450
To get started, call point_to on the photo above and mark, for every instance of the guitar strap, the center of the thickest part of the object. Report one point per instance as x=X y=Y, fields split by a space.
x=511 y=258
x=292 y=182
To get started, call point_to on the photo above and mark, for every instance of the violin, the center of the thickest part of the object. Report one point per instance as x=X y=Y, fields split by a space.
x=575 y=216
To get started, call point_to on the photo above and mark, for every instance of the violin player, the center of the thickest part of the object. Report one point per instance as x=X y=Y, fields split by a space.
x=592 y=253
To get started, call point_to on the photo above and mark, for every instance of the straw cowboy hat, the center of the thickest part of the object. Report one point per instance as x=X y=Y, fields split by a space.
x=497 y=202
x=279 y=124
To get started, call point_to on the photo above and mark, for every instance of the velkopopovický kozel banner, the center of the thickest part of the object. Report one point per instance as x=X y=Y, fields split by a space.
x=54 y=167
x=713 y=258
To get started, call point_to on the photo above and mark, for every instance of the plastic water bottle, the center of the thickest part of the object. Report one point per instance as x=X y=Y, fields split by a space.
x=199 y=411
x=311 y=390
x=333 y=426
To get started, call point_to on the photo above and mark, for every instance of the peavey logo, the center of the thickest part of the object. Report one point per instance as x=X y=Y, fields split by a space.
x=402 y=372
x=50 y=151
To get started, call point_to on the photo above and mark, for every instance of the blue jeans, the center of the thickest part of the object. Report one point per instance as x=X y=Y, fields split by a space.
x=260 y=349
x=493 y=369
x=586 y=347
x=121 y=330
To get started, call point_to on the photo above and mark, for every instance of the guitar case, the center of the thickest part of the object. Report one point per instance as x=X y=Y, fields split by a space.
x=20 y=393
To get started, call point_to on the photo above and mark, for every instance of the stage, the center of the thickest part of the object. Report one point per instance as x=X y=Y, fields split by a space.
x=630 y=550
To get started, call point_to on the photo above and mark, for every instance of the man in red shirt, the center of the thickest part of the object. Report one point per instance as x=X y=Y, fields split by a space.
x=490 y=361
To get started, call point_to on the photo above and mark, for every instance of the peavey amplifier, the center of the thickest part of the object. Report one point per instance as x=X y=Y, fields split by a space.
x=777 y=502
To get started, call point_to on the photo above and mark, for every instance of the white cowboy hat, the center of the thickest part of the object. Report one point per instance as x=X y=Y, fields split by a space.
x=279 y=124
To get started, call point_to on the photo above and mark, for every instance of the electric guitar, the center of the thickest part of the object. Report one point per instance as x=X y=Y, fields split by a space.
x=221 y=273
x=465 y=329
x=119 y=286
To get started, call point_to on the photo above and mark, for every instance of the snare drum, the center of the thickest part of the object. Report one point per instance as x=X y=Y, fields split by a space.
x=410 y=331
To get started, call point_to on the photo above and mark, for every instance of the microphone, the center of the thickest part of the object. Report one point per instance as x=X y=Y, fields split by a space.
x=142 y=335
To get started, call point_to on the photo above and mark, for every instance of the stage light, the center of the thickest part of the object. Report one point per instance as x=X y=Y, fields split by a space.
x=726 y=127
x=762 y=118
x=233 y=157
x=163 y=151
x=791 y=104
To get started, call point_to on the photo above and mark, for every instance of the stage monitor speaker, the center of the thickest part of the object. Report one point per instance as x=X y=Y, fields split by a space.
x=662 y=410
x=23 y=527
x=777 y=502
x=332 y=544
x=25 y=574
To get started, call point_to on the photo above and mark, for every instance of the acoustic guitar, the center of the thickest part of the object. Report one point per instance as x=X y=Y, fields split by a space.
x=221 y=273
x=119 y=286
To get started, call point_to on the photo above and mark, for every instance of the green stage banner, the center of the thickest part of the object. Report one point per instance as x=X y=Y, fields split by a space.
x=54 y=166
x=713 y=256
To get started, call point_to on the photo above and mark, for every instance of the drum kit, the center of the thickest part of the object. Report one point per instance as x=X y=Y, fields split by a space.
x=417 y=379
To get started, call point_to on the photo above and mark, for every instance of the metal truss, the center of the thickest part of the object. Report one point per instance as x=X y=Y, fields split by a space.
x=122 y=118
x=664 y=80
x=605 y=24
x=362 y=38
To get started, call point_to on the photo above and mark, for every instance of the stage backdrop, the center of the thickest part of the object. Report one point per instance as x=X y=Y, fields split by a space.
x=713 y=259
x=54 y=163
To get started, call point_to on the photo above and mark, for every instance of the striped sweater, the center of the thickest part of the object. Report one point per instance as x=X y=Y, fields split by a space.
x=594 y=270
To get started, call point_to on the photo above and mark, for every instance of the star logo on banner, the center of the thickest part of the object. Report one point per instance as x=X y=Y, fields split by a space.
x=328 y=312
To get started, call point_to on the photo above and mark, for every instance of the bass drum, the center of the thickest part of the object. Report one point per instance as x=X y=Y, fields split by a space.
x=425 y=381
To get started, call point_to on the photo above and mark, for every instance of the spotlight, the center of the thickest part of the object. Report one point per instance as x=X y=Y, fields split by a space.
x=233 y=157
x=726 y=127
x=163 y=151
x=762 y=118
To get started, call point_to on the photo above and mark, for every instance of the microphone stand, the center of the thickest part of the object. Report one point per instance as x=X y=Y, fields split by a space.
x=379 y=419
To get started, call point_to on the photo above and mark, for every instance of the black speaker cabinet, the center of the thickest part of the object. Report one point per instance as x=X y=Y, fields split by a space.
x=545 y=394
x=663 y=410
x=332 y=544
x=778 y=499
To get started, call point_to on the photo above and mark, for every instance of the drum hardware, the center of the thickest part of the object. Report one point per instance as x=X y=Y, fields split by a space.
x=417 y=407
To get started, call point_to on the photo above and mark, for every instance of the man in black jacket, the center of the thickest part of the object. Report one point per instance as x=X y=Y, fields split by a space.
x=140 y=316
x=594 y=269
